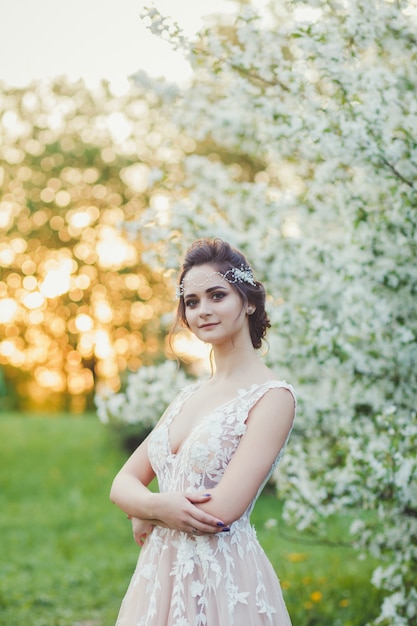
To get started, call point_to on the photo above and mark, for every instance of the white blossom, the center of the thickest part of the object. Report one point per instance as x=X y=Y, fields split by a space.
x=148 y=393
x=322 y=112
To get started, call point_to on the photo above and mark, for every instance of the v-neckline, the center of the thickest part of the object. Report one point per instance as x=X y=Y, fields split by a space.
x=239 y=393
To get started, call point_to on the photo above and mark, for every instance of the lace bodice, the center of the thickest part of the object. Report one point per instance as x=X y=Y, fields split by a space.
x=205 y=580
x=203 y=457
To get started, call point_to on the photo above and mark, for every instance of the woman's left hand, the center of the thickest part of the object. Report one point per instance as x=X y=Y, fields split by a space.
x=141 y=529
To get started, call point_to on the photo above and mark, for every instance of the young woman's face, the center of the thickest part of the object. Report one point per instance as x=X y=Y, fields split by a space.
x=214 y=310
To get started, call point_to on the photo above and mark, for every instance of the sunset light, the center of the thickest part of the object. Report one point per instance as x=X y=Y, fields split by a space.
x=77 y=305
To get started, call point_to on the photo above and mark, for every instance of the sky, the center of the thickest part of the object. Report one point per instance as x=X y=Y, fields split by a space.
x=92 y=39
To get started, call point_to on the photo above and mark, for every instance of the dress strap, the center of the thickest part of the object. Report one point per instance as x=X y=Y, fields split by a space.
x=182 y=396
x=259 y=390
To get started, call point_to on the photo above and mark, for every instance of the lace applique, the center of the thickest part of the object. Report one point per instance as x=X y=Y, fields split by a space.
x=207 y=580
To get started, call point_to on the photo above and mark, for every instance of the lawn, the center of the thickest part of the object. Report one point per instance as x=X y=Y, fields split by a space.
x=67 y=553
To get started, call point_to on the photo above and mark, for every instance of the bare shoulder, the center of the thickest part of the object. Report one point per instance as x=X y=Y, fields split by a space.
x=280 y=397
x=276 y=401
x=271 y=419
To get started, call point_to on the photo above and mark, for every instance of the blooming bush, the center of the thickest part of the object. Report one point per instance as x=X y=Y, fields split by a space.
x=303 y=117
x=147 y=394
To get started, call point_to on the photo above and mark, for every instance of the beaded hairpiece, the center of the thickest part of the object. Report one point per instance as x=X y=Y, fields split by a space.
x=240 y=274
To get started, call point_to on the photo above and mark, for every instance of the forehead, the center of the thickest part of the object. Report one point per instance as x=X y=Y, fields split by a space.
x=201 y=278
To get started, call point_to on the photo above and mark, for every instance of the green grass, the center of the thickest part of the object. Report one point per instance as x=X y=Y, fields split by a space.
x=324 y=581
x=67 y=553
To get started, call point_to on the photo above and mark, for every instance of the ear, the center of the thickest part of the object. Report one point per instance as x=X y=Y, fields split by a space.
x=251 y=309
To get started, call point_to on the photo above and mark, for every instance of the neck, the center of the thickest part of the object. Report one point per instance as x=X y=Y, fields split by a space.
x=234 y=362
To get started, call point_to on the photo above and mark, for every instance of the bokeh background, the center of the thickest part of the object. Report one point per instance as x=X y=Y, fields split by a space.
x=78 y=307
x=289 y=129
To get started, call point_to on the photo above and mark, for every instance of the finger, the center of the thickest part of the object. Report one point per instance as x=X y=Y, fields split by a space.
x=140 y=539
x=213 y=530
x=203 y=529
x=195 y=497
x=199 y=517
x=205 y=523
x=197 y=514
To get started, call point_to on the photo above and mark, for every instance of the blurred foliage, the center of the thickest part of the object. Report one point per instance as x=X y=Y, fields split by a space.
x=78 y=304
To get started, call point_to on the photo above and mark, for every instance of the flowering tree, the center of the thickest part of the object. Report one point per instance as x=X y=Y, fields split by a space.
x=303 y=118
x=77 y=305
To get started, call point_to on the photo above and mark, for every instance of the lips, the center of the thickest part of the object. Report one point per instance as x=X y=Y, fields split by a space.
x=208 y=325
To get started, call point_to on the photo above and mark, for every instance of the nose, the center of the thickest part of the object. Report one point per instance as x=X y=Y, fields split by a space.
x=204 y=308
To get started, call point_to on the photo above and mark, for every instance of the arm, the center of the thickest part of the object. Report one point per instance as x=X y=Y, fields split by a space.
x=176 y=510
x=268 y=425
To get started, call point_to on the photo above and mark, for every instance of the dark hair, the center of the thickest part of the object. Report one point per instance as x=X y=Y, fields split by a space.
x=223 y=257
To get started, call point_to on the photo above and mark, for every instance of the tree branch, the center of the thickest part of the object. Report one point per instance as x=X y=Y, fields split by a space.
x=396 y=172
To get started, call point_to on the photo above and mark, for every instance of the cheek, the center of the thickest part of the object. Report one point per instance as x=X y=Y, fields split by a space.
x=188 y=316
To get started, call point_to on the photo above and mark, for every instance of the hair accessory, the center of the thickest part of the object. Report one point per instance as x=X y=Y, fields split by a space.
x=240 y=274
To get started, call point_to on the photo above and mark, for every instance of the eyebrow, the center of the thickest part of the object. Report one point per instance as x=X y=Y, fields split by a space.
x=209 y=290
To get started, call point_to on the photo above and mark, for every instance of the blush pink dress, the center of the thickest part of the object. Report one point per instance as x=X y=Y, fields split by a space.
x=224 y=579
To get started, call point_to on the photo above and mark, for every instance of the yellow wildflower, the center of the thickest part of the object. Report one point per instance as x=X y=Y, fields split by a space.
x=316 y=596
x=296 y=557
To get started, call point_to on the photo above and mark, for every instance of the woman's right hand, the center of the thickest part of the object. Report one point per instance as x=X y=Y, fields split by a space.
x=178 y=511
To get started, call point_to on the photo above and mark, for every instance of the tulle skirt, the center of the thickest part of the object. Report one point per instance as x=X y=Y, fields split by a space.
x=211 y=580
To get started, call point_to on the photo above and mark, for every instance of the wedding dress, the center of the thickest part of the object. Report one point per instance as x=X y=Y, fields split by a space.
x=222 y=579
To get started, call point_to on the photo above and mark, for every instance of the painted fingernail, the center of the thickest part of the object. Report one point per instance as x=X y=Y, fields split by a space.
x=220 y=524
x=225 y=530
x=207 y=495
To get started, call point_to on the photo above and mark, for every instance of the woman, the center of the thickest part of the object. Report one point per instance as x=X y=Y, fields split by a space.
x=212 y=452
